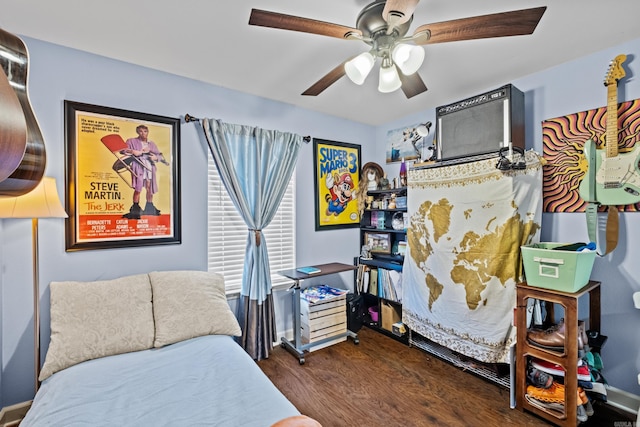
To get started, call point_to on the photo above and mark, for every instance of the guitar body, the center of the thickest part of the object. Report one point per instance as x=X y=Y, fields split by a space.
x=22 y=150
x=617 y=179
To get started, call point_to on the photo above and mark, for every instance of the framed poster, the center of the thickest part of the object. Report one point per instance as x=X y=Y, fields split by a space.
x=379 y=243
x=336 y=168
x=405 y=143
x=123 y=172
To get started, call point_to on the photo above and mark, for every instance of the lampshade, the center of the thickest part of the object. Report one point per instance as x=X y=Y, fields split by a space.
x=359 y=67
x=41 y=202
x=389 y=79
x=408 y=57
x=423 y=129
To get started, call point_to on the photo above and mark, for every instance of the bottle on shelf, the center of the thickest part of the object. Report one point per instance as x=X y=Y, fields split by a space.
x=403 y=174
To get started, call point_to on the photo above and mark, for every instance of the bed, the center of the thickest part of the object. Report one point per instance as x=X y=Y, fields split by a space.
x=151 y=349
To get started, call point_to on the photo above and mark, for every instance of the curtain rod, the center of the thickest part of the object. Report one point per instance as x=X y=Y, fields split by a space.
x=189 y=118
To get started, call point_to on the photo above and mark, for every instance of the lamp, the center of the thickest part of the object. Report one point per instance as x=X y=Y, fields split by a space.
x=41 y=202
x=423 y=129
x=359 y=67
x=389 y=79
x=408 y=57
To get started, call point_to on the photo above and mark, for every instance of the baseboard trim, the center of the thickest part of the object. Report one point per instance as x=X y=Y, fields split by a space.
x=623 y=400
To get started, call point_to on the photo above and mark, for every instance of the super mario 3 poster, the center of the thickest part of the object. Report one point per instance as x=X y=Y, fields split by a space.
x=337 y=173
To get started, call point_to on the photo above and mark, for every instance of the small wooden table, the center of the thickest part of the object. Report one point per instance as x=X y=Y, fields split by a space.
x=296 y=347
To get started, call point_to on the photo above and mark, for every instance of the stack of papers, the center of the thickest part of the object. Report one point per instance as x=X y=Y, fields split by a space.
x=317 y=293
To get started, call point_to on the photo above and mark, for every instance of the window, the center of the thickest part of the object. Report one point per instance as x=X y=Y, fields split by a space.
x=227 y=234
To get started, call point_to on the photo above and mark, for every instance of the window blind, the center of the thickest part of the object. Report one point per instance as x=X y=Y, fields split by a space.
x=227 y=234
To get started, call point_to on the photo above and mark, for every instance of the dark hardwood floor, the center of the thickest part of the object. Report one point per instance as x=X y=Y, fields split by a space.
x=382 y=382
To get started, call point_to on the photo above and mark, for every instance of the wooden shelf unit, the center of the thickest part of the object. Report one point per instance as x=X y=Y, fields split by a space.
x=385 y=261
x=568 y=359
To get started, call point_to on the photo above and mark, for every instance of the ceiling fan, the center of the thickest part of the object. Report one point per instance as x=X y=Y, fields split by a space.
x=383 y=25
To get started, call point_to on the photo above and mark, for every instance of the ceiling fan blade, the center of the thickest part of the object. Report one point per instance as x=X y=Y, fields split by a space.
x=513 y=23
x=265 y=18
x=330 y=78
x=398 y=12
x=412 y=85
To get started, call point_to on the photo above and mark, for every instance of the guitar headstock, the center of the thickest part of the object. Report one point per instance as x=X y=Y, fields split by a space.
x=615 y=71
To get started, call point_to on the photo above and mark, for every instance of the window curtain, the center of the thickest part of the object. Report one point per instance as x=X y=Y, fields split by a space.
x=255 y=166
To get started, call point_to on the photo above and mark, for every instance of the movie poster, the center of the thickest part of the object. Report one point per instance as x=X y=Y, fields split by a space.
x=122 y=173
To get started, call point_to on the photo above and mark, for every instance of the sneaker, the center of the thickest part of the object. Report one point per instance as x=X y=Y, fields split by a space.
x=538 y=378
x=544 y=405
x=553 y=394
x=551 y=368
x=581 y=414
x=588 y=407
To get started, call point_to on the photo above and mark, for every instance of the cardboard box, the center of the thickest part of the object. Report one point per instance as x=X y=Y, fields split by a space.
x=560 y=270
x=390 y=314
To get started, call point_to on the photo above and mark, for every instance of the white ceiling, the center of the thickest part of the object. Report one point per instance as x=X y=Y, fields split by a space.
x=211 y=41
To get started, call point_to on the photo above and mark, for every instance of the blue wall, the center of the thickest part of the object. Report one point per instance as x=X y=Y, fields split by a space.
x=58 y=74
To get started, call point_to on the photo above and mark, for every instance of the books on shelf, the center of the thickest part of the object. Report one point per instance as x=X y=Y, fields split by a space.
x=308 y=270
x=373 y=281
x=314 y=294
x=390 y=284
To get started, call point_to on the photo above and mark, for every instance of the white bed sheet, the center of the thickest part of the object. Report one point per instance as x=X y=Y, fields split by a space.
x=204 y=381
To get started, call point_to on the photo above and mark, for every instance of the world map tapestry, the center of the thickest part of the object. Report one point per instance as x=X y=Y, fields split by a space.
x=467 y=223
x=563 y=141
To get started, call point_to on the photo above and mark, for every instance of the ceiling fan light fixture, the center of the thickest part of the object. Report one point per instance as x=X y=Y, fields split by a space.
x=389 y=79
x=408 y=58
x=359 y=67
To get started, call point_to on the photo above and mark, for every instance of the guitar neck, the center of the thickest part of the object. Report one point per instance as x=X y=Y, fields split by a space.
x=612 y=120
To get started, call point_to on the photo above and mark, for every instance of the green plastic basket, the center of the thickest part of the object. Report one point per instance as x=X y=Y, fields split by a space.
x=560 y=270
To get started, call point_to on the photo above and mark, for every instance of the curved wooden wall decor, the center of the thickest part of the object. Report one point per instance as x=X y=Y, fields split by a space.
x=22 y=152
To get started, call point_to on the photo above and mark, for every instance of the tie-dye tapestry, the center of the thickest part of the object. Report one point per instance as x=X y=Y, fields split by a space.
x=467 y=223
x=563 y=141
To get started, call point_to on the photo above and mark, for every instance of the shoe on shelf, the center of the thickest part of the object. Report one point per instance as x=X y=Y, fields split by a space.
x=551 y=368
x=581 y=414
x=559 y=407
x=550 y=339
x=553 y=394
x=538 y=378
x=582 y=335
x=582 y=397
x=589 y=408
x=553 y=338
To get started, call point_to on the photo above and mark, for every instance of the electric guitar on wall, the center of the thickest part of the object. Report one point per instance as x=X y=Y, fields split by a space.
x=617 y=177
x=22 y=151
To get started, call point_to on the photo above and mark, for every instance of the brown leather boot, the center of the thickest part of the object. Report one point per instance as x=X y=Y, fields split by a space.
x=551 y=339
x=582 y=336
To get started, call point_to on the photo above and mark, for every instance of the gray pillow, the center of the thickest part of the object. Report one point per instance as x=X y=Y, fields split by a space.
x=188 y=304
x=96 y=319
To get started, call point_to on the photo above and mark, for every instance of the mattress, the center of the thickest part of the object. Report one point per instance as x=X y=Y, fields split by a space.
x=209 y=380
